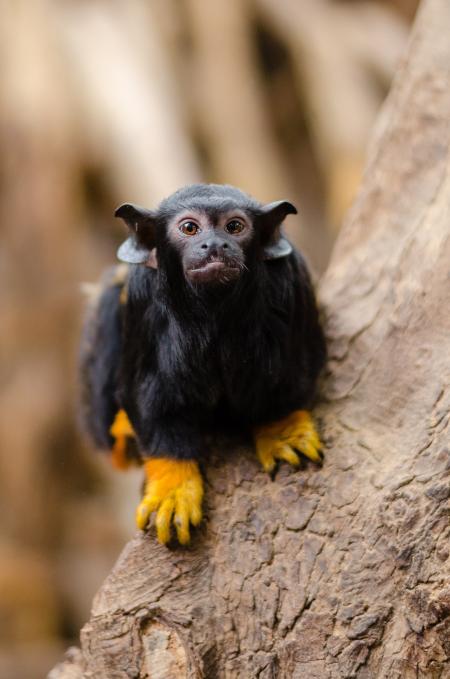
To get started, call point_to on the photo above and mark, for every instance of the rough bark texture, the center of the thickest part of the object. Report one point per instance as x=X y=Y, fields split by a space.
x=342 y=571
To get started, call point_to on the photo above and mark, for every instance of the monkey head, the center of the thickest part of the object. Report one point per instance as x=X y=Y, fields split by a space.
x=213 y=231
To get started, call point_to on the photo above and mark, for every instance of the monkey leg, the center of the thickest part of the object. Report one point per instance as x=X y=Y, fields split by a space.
x=174 y=490
x=283 y=439
x=122 y=431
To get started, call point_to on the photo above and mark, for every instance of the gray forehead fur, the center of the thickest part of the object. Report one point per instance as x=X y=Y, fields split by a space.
x=217 y=198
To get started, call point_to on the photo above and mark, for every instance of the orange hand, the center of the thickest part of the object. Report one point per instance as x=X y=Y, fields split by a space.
x=174 y=489
x=280 y=440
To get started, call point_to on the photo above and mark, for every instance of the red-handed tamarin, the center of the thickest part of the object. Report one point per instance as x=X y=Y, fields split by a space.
x=212 y=327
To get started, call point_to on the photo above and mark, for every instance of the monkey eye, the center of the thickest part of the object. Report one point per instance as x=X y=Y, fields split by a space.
x=189 y=228
x=234 y=226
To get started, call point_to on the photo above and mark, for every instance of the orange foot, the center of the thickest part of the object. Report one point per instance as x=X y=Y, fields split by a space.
x=122 y=431
x=174 y=489
x=280 y=440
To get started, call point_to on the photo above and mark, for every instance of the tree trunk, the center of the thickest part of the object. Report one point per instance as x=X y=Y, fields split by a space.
x=342 y=571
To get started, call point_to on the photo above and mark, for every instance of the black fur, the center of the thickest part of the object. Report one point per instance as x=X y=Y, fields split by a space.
x=101 y=349
x=194 y=361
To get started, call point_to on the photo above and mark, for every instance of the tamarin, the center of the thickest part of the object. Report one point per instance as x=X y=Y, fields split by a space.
x=211 y=327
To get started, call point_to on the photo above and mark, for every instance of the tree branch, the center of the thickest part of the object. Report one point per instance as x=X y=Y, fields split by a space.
x=338 y=572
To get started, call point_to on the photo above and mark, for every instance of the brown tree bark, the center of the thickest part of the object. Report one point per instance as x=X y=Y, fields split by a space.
x=342 y=571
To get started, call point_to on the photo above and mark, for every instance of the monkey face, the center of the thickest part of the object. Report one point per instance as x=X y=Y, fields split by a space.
x=211 y=244
x=214 y=232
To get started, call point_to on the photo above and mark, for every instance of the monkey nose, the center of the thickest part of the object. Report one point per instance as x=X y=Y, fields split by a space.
x=214 y=247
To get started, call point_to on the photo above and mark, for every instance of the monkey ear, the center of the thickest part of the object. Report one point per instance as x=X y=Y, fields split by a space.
x=281 y=248
x=271 y=218
x=139 y=245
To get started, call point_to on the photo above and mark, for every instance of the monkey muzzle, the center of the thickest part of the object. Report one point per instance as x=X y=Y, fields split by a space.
x=213 y=270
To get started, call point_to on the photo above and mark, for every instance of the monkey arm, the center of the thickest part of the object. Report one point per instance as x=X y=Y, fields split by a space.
x=286 y=436
x=174 y=486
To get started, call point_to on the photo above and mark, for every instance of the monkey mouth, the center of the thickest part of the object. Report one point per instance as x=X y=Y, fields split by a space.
x=213 y=271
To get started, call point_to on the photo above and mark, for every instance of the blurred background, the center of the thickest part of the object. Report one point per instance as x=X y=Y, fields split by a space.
x=106 y=101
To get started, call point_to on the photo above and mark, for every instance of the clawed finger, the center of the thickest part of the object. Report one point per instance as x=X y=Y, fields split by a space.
x=286 y=453
x=163 y=519
x=309 y=450
x=181 y=522
x=148 y=505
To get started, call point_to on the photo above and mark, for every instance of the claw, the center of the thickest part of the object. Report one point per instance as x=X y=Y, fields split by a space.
x=174 y=490
x=280 y=440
